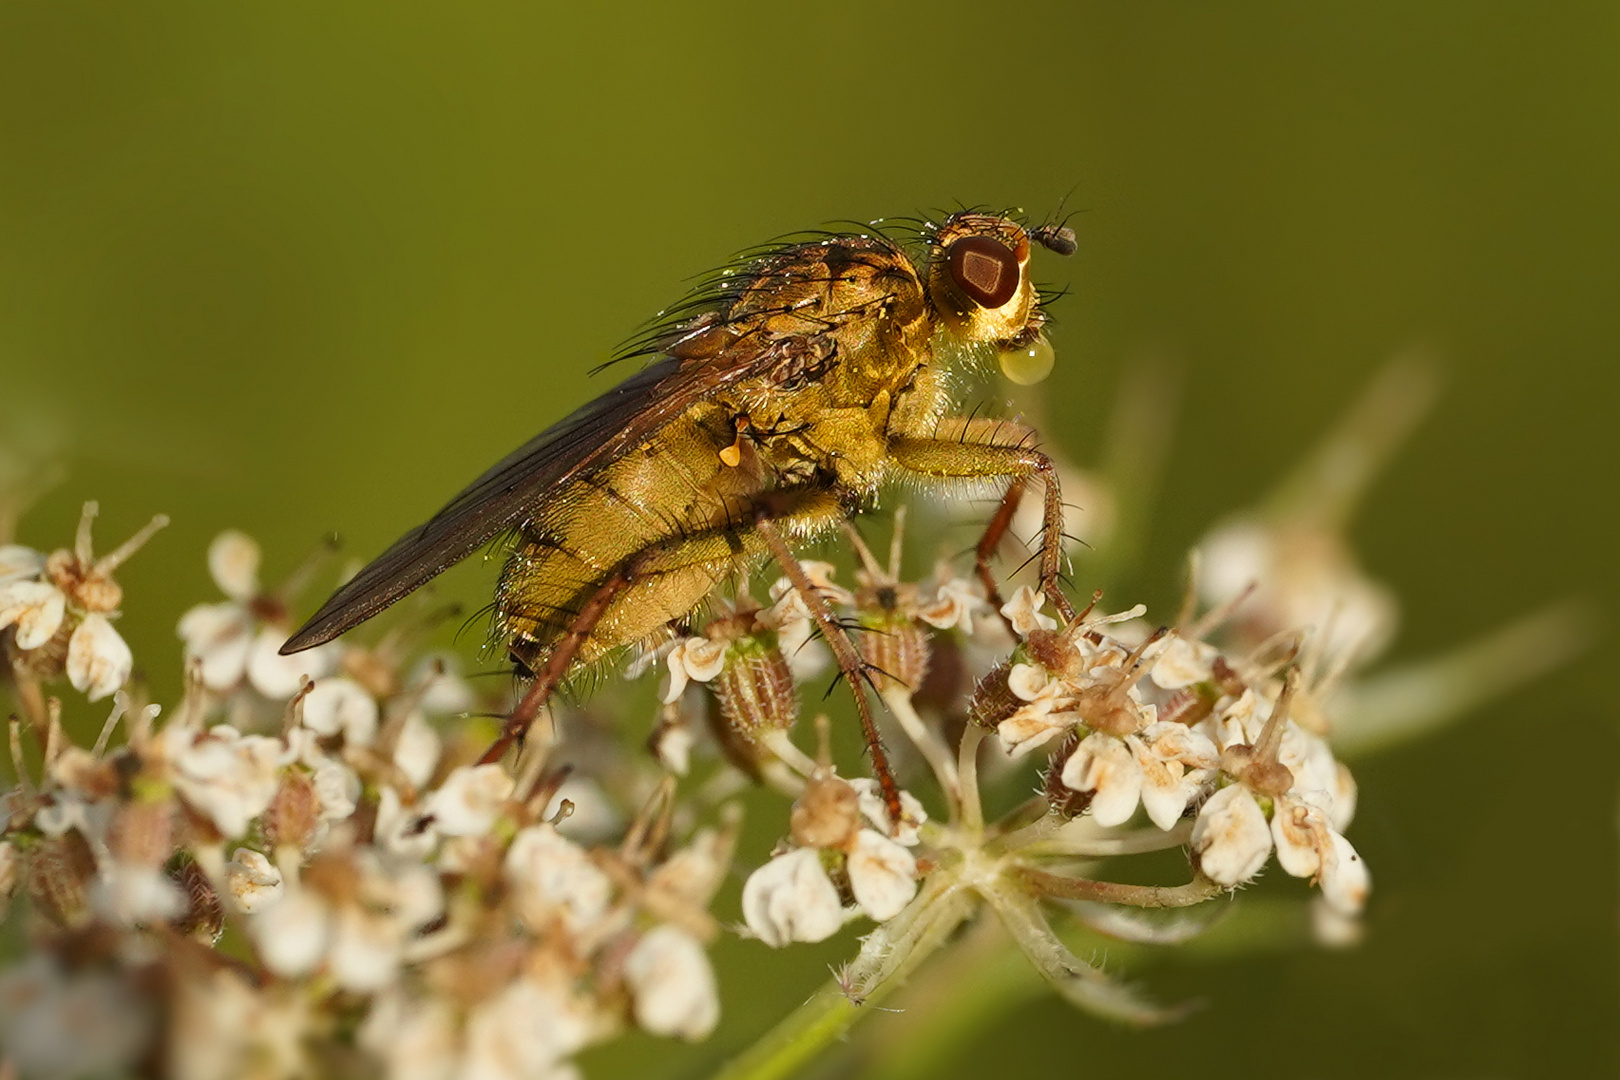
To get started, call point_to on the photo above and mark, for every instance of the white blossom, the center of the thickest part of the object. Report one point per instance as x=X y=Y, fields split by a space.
x=1177 y=763
x=954 y=604
x=134 y=894
x=1231 y=839
x=17 y=561
x=672 y=984
x=1182 y=663
x=553 y=879
x=233 y=563
x=417 y=750
x=226 y=776
x=416 y=1038
x=694 y=659
x=217 y=639
x=882 y=874
x=279 y=677
x=791 y=898
x=523 y=1032
x=1105 y=767
x=336 y=705
x=470 y=800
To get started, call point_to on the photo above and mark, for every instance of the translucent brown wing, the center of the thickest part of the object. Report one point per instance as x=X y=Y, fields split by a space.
x=503 y=497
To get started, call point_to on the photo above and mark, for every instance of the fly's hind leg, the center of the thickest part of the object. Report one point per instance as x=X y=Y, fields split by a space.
x=966 y=449
x=848 y=658
x=706 y=558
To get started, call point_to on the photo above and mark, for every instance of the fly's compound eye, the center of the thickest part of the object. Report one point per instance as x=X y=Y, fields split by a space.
x=985 y=269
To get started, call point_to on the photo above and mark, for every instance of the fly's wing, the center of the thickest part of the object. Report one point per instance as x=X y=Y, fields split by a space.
x=575 y=446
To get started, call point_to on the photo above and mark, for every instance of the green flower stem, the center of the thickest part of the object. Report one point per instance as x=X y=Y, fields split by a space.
x=889 y=955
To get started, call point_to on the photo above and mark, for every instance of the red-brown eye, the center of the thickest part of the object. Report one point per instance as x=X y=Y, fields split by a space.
x=984 y=269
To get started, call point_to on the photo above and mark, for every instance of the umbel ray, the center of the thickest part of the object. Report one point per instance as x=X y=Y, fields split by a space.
x=788 y=393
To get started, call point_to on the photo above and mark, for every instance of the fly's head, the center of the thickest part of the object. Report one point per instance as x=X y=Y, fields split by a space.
x=980 y=289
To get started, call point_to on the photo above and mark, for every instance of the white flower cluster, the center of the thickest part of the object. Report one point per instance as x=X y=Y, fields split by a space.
x=365 y=861
x=61 y=608
x=1172 y=724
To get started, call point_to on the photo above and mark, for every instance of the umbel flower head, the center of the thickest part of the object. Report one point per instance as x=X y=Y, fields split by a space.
x=302 y=868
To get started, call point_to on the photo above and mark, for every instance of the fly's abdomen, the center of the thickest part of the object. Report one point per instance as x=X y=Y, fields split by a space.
x=666 y=509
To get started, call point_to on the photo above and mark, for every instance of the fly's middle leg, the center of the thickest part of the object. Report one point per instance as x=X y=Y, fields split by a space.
x=966 y=449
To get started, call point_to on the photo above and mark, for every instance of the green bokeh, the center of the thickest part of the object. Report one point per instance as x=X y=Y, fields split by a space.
x=303 y=267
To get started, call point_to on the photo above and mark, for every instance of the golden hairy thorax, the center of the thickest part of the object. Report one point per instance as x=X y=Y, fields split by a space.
x=862 y=338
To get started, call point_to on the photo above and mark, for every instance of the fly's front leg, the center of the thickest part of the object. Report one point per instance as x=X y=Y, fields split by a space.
x=966 y=449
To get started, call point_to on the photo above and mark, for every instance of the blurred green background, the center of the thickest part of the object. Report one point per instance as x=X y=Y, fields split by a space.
x=305 y=267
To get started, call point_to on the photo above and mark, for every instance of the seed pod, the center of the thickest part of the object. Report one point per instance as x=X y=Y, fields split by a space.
x=204 y=917
x=1063 y=799
x=755 y=689
x=295 y=812
x=992 y=700
x=59 y=873
x=899 y=649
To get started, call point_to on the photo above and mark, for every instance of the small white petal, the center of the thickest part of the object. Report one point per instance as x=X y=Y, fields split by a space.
x=417 y=751
x=233 y=562
x=791 y=898
x=470 y=800
x=1033 y=725
x=1026 y=681
x=869 y=797
x=364 y=954
x=1301 y=832
x=337 y=789
x=1105 y=766
x=219 y=637
x=882 y=875
x=279 y=677
x=292 y=934
x=36 y=607
x=954 y=604
x=1024 y=612
x=672 y=984
x=17 y=562
x=1231 y=838
x=98 y=660
x=1345 y=879
x=341 y=706
x=252 y=880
